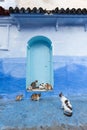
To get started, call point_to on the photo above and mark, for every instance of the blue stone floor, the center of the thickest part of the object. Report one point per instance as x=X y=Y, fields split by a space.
x=69 y=78
x=45 y=112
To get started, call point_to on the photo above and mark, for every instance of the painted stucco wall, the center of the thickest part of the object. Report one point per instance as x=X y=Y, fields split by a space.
x=48 y=4
x=8 y=3
x=67 y=41
x=69 y=60
x=51 y=4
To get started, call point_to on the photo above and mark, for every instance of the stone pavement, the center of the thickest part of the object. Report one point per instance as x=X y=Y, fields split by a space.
x=44 y=114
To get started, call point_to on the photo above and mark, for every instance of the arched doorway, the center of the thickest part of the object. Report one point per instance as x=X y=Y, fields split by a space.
x=39 y=61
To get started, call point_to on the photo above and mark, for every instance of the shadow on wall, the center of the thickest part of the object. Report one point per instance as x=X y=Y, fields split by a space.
x=10 y=84
x=70 y=79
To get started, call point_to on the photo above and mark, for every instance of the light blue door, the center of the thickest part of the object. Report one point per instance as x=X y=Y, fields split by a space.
x=39 y=61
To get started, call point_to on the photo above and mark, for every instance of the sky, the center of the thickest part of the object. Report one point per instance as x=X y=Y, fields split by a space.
x=48 y=4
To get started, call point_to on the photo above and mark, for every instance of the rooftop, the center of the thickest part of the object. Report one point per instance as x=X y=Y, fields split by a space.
x=40 y=10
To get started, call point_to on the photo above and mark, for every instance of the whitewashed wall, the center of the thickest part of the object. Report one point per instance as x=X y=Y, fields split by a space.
x=67 y=41
x=8 y=3
x=51 y=4
x=48 y=4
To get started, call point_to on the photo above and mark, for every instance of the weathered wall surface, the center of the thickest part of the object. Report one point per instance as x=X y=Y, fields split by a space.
x=51 y=4
x=67 y=41
x=47 y=4
x=69 y=61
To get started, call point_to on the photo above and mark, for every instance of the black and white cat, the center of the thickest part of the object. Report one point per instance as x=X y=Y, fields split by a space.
x=66 y=105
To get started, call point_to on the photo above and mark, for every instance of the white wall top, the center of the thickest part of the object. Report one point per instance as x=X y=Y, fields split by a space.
x=51 y=4
x=7 y=3
x=46 y=4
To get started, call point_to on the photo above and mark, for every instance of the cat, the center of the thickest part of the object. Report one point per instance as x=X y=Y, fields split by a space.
x=33 y=85
x=48 y=86
x=19 y=97
x=35 y=96
x=66 y=105
x=42 y=86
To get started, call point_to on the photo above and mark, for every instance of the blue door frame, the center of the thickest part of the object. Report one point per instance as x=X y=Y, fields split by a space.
x=39 y=61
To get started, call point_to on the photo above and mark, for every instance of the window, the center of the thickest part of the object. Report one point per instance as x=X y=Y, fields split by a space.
x=2 y=0
x=4 y=37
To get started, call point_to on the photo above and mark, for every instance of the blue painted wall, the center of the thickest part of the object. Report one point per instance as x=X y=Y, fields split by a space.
x=69 y=64
x=70 y=76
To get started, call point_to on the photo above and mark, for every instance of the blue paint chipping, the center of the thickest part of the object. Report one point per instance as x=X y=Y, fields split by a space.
x=69 y=77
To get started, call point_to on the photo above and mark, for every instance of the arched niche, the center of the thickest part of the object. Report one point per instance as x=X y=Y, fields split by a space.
x=39 y=61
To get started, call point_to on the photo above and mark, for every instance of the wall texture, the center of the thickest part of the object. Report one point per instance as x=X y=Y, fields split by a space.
x=69 y=60
x=46 y=4
x=67 y=41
